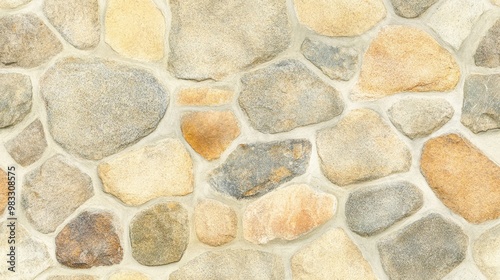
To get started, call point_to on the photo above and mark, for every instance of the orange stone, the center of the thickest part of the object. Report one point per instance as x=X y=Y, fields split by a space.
x=204 y=96
x=3 y=190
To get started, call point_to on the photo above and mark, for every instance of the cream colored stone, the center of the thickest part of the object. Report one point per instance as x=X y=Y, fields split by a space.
x=204 y=96
x=128 y=275
x=12 y=4
x=215 y=223
x=486 y=253
x=496 y=2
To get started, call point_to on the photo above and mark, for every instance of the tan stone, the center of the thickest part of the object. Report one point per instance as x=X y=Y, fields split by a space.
x=12 y=4
x=204 y=96
x=215 y=223
x=72 y=277
x=405 y=59
x=128 y=275
x=4 y=196
x=496 y=2
x=463 y=178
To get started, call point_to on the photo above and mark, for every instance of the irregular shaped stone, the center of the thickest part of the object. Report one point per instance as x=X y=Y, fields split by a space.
x=287 y=95
x=25 y=41
x=411 y=8
x=398 y=61
x=371 y=210
x=332 y=256
x=128 y=275
x=212 y=39
x=428 y=249
x=419 y=117
x=215 y=223
x=252 y=170
x=12 y=4
x=161 y=169
x=361 y=147
x=204 y=96
x=72 y=277
x=110 y=105
x=4 y=190
x=463 y=178
x=481 y=108
x=209 y=133
x=159 y=235
x=486 y=252
x=487 y=53
x=53 y=191
x=15 y=98
x=232 y=264
x=29 y=145
x=287 y=213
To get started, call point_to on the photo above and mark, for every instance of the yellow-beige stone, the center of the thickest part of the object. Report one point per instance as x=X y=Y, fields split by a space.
x=215 y=223
x=4 y=195
x=128 y=275
x=204 y=96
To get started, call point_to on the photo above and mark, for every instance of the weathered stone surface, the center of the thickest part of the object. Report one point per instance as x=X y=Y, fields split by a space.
x=15 y=98
x=72 y=277
x=419 y=117
x=4 y=191
x=12 y=4
x=161 y=169
x=135 y=29
x=91 y=239
x=232 y=264
x=398 y=61
x=53 y=191
x=215 y=223
x=159 y=235
x=487 y=53
x=128 y=275
x=287 y=95
x=481 y=108
x=486 y=252
x=110 y=105
x=361 y=147
x=496 y=2
x=371 y=210
x=427 y=249
x=212 y=39
x=29 y=145
x=209 y=133
x=332 y=256
x=411 y=8
x=255 y=169
x=25 y=41
x=205 y=96
x=463 y=178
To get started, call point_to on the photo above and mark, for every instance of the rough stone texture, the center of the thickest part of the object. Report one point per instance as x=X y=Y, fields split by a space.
x=25 y=41
x=15 y=98
x=398 y=61
x=287 y=95
x=135 y=29
x=12 y=4
x=53 y=191
x=110 y=105
x=161 y=169
x=486 y=253
x=463 y=178
x=209 y=133
x=361 y=147
x=419 y=117
x=91 y=239
x=252 y=170
x=128 y=275
x=428 y=249
x=211 y=39
x=411 y=8
x=204 y=96
x=4 y=191
x=215 y=223
x=488 y=51
x=481 y=108
x=371 y=210
x=29 y=145
x=232 y=264
x=73 y=277
x=332 y=256
x=159 y=235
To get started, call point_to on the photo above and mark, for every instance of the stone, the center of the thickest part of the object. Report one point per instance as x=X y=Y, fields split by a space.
x=397 y=61
x=91 y=239
x=128 y=275
x=370 y=211
x=486 y=252
x=428 y=249
x=4 y=191
x=144 y=23
x=159 y=234
x=340 y=17
x=465 y=180
x=487 y=53
x=25 y=41
x=29 y=145
x=411 y=8
x=73 y=277
x=210 y=133
x=205 y=96
x=481 y=107
x=332 y=256
x=419 y=117
x=252 y=170
x=361 y=147
x=161 y=169
x=213 y=39
x=215 y=223
x=287 y=213
x=496 y=2
x=12 y=4
x=287 y=95
x=232 y=264
x=15 y=98
x=110 y=105
x=52 y=192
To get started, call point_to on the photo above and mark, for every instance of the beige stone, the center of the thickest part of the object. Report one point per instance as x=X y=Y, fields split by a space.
x=486 y=253
x=496 y=2
x=29 y=145
x=204 y=96
x=4 y=196
x=215 y=223
x=128 y=275
x=12 y=4
x=73 y=277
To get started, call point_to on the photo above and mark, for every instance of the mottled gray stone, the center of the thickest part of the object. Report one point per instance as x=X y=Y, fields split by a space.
x=15 y=98
x=411 y=8
x=481 y=108
x=255 y=169
x=488 y=51
x=12 y=4
x=29 y=145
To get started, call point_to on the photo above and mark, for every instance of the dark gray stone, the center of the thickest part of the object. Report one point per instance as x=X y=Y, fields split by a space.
x=15 y=98
x=29 y=145
x=411 y=8
x=488 y=51
x=481 y=108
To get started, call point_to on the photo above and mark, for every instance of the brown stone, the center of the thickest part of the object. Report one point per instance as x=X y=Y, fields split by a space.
x=204 y=96
x=4 y=183
x=29 y=145
x=215 y=223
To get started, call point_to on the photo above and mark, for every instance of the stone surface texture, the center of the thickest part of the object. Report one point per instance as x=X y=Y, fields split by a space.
x=12 y=4
x=205 y=96
x=15 y=98
x=215 y=223
x=487 y=53
x=29 y=145
x=128 y=275
x=486 y=252
x=73 y=277
x=4 y=191
x=481 y=107
x=411 y=8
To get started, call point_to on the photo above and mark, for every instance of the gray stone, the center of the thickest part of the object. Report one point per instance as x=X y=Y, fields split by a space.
x=287 y=95
x=488 y=51
x=481 y=108
x=15 y=98
x=97 y=107
x=256 y=169
x=372 y=210
x=411 y=8
x=486 y=251
x=29 y=145
x=12 y=4
x=428 y=249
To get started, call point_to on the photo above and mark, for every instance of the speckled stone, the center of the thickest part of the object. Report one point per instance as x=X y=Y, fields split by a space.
x=12 y=4
x=487 y=53
x=15 y=98
x=411 y=8
x=481 y=107
x=28 y=146
x=486 y=250
x=215 y=223
x=73 y=277
x=128 y=275
x=205 y=96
